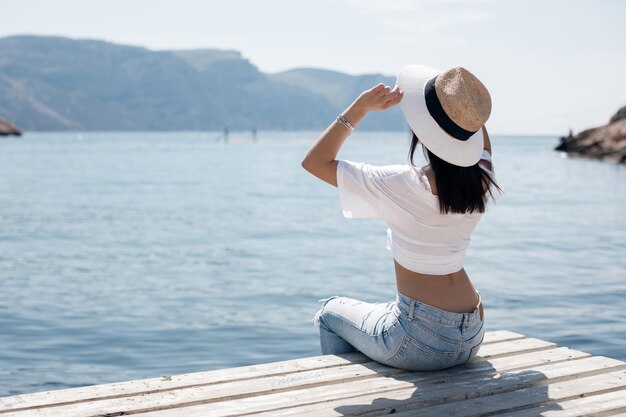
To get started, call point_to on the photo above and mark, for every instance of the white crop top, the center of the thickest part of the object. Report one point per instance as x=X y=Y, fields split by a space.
x=418 y=236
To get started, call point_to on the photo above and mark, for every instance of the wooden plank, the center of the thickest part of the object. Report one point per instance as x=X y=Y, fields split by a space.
x=218 y=392
x=279 y=383
x=433 y=387
x=596 y=405
x=524 y=360
x=152 y=385
x=501 y=336
x=508 y=402
x=440 y=398
x=513 y=347
x=341 y=373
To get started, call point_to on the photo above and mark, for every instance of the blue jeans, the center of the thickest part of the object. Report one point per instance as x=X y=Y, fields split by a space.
x=404 y=333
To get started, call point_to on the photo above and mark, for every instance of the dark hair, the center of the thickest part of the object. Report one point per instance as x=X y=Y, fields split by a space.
x=460 y=189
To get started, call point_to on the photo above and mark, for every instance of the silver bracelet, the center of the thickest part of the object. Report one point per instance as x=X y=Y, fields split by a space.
x=345 y=122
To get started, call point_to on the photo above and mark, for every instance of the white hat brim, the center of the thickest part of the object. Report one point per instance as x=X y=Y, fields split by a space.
x=412 y=80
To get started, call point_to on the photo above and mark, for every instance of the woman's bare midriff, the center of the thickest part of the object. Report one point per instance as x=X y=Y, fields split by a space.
x=452 y=292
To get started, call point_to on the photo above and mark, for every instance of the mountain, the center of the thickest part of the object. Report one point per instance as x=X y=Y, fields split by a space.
x=56 y=83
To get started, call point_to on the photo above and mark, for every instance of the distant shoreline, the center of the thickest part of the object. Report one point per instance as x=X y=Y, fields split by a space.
x=269 y=131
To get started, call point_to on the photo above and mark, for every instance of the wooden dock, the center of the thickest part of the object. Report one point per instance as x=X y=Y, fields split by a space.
x=513 y=375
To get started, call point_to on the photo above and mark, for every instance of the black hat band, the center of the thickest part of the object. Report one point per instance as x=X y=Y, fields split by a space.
x=438 y=113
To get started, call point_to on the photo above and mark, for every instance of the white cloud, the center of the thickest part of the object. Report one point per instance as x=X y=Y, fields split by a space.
x=424 y=21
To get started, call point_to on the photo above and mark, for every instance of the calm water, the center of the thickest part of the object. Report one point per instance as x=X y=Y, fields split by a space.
x=126 y=256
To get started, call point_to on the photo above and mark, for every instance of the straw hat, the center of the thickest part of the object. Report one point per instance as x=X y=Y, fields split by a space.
x=446 y=111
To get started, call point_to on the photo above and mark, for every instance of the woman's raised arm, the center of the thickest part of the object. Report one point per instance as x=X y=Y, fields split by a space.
x=320 y=159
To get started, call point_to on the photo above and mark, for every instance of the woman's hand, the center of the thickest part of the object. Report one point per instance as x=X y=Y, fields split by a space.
x=378 y=98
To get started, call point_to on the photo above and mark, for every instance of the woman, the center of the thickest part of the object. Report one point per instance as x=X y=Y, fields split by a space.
x=436 y=320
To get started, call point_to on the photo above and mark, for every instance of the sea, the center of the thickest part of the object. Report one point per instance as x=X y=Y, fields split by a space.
x=136 y=255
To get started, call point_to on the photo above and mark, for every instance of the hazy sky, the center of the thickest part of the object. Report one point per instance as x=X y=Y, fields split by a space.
x=549 y=65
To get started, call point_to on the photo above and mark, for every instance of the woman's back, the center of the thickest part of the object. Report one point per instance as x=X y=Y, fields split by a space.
x=437 y=319
x=428 y=247
x=453 y=291
x=419 y=236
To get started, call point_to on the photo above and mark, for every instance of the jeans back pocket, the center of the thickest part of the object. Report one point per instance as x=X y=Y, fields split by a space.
x=414 y=355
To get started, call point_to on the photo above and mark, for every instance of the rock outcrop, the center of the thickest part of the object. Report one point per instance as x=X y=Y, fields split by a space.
x=7 y=129
x=606 y=142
